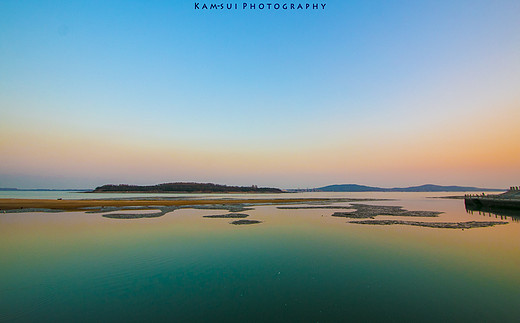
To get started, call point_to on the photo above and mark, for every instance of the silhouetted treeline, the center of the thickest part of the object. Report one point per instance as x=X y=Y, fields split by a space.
x=185 y=188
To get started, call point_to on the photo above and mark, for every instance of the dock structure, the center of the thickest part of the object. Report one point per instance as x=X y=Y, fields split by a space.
x=507 y=200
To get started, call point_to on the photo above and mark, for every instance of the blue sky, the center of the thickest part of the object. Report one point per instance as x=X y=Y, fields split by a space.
x=397 y=76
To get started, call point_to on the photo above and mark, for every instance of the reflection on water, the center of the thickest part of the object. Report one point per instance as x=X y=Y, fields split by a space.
x=497 y=213
x=297 y=265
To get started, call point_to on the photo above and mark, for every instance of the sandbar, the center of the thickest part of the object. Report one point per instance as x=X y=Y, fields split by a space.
x=82 y=205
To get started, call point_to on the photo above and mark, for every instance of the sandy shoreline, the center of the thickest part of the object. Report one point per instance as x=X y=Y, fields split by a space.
x=80 y=205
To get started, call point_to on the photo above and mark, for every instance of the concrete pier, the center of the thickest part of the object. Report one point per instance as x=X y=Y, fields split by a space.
x=507 y=200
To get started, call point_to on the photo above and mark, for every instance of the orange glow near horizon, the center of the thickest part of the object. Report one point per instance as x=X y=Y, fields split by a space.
x=458 y=153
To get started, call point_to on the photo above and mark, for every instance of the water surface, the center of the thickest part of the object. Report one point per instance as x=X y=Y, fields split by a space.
x=298 y=265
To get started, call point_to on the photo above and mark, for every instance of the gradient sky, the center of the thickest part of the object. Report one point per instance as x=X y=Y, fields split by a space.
x=386 y=93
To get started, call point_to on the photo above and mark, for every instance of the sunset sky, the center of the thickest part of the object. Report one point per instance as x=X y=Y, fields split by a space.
x=383 y=93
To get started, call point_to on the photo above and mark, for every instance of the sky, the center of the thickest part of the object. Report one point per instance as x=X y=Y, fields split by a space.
x=383 y=93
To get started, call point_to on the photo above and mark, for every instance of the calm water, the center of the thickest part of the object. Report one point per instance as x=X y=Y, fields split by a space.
x=298 y=265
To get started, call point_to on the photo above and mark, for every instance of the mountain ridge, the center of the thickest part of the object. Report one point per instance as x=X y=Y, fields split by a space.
x=419 y=188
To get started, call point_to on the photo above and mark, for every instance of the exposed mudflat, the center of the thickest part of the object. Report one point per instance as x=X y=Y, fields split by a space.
x=352 y=215
x=364 y=211
x=443 y=225
x=228 y=216
x=231 y=208
x=244 y=222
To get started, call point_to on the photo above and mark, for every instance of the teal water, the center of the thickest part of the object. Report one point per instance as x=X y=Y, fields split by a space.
x=296 y=266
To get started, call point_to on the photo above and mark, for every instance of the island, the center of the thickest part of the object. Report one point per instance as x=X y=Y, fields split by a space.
x=183 y=187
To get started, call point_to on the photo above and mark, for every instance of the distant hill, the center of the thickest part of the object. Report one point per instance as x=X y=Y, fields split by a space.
x=184 y=188
x=421 y=188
